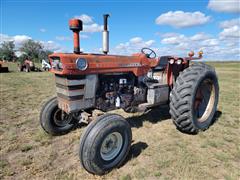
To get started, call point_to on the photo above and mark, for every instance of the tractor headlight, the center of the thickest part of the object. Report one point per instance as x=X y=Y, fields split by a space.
x=171 y=61
x=179 y=61
x=81 y=64
x=56 y=63
x=60 y=65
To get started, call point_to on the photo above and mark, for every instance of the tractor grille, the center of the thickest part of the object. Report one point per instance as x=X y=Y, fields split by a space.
x=75 y=92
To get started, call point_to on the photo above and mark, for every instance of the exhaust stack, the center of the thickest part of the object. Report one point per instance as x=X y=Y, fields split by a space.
x=105 y=34
x=76 y=26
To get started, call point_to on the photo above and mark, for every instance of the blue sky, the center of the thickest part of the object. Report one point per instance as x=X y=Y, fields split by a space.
x=169 y=27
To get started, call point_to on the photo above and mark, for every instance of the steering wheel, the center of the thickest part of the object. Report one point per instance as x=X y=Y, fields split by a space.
x=148 y=52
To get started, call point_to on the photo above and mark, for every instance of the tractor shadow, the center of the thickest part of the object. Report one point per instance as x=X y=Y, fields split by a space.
x=154 y=115
x=135 y=150
x=216 y=117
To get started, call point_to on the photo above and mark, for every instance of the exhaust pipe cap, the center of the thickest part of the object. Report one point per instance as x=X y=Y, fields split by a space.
x=75 y=25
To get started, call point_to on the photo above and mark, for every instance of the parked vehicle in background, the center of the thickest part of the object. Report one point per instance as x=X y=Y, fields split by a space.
x=28 y=66
x=45 y=65
x=2 y=67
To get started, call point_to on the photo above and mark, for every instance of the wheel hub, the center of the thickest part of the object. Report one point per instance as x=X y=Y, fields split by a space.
x=204 y=100
x=61 y=118
x=111 y=146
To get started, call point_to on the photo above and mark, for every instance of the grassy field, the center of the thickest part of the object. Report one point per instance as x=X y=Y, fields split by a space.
x=158 y=151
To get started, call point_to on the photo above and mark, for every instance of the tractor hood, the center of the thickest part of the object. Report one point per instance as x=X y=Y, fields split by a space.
x=78 y=64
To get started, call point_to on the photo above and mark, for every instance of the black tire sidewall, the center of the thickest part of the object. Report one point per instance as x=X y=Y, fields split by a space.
x=47 y=122
x=204 y=125
x=121 y=154
x=92 y=143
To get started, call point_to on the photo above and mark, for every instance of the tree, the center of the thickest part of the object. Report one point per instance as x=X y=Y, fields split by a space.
x=32 y=49
x=44 y=54
x=7 y=51
x=22 y=58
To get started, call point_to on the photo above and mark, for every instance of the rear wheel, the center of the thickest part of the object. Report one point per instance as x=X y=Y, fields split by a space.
x=194 y=98
x=105 y=143
x=55 y=121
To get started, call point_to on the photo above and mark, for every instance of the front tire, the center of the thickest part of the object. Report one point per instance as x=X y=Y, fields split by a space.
x=194 y=98
x=105 y=144
x=53 y=120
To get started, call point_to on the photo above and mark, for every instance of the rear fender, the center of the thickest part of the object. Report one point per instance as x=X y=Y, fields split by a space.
x=173 y=71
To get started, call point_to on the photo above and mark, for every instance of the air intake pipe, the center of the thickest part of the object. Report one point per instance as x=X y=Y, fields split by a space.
x=76 y=26
x=105 y=34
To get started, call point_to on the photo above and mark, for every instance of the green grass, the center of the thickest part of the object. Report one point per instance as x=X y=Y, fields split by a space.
x=159 y=150
x=26 y=148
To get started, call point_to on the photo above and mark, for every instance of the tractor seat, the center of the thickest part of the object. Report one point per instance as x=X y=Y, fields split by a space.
x=163 y=62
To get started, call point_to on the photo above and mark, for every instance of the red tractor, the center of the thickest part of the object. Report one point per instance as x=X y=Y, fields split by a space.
x=135 y=83
x=28 y=66
x=2 y=67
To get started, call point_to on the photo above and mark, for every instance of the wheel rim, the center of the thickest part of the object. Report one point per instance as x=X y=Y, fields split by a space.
x=204 y=100
x=111 y=146
x=61 y=118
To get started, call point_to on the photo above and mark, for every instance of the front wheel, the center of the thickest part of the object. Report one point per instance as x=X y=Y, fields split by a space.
x=105 y=144
x=194 y=98
x=55 y=121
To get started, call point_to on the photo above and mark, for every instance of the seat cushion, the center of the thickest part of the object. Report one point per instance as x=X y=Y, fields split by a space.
x=163 y=62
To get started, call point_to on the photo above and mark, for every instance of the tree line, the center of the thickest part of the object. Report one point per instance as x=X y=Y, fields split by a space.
x=30 y=49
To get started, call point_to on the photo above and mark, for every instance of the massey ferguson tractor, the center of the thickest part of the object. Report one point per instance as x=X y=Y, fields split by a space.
x=136 y=83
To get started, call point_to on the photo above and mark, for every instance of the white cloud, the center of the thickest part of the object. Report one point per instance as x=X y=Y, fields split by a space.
x=4 y=37
x=53 y=46
x=209 y=43
x=199 y=37
x=134 y=45
x=85 y=18
x=68 y=38
x=175 y=44
x=214 y=47
x=149 y=43
x=228 y=6
x=180 y=19
x=18 y=39
x=89 y=26
x=42 y=30
x=183 y=46
x=230 y=23
x=135 y=40
x=175 y=39
x=197 y=41
x=231 y=32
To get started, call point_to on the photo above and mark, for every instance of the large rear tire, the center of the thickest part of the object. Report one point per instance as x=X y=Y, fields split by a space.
x=53 y=120
x=105 y=144
x=194 y=98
